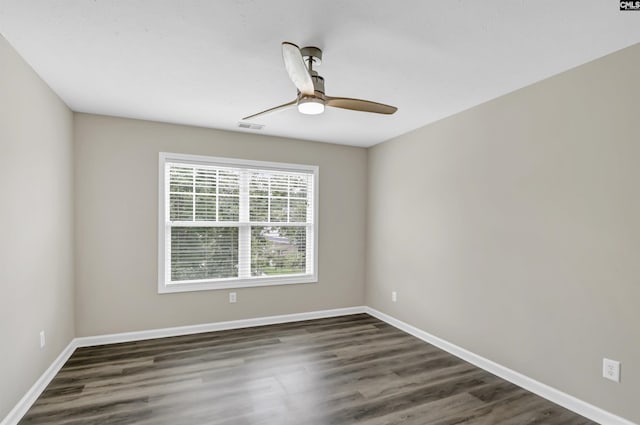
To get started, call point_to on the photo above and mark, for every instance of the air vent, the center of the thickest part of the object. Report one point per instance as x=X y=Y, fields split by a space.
x=250 y=126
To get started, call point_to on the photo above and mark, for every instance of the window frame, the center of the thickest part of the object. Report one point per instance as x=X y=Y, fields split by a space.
x=164 y=266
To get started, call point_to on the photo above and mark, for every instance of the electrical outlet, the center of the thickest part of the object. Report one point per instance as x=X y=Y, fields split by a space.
x=611 y=369
x=394 y=296
x=42 y=339
x=233 y=297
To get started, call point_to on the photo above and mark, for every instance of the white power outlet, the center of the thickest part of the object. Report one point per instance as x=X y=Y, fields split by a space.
x=611 y=369
x=42 y=339
x=394 y=296
x=233 y=297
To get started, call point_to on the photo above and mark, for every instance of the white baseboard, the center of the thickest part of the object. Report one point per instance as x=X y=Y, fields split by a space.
x=88 y=341
x=563 y=399
x=583 y=408
x=14 y=416
x=38 y=387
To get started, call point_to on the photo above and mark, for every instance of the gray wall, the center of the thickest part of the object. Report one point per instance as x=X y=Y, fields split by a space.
x=512 y=230
x=116 y=166
x=36 y=212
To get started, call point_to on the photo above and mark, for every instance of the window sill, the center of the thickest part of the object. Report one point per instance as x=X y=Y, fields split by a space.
x=170 y=288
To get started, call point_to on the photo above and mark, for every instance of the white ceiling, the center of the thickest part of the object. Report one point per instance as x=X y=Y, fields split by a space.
x=209 y=63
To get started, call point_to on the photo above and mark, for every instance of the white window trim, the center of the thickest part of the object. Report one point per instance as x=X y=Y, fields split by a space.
x=186 y=286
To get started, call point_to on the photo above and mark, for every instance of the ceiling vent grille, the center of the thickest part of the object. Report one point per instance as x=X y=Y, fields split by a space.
x=250 y=126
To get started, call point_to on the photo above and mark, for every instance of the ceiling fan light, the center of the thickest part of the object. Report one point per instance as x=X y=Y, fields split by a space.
x=311 y=106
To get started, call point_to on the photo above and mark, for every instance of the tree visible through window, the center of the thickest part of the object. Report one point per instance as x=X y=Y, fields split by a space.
x=233 y=223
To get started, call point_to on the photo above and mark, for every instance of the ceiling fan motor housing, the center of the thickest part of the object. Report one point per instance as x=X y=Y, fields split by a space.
x=318 y=82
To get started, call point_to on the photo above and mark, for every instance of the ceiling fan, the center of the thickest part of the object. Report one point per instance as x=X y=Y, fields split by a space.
x=311 y=99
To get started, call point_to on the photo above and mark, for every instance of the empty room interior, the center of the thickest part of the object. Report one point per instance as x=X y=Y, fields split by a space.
x=297 y=212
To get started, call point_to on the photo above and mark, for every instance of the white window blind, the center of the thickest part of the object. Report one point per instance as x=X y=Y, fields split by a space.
x=230 y=223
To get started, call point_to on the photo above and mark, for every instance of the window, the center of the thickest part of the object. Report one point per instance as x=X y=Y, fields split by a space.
x=228 y=223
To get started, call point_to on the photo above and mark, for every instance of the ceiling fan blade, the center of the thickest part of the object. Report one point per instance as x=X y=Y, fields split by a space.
x=360 y=105
x=277 y=108
x=296 y=68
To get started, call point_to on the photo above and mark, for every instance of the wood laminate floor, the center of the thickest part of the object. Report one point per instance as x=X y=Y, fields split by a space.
x=344 y=370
